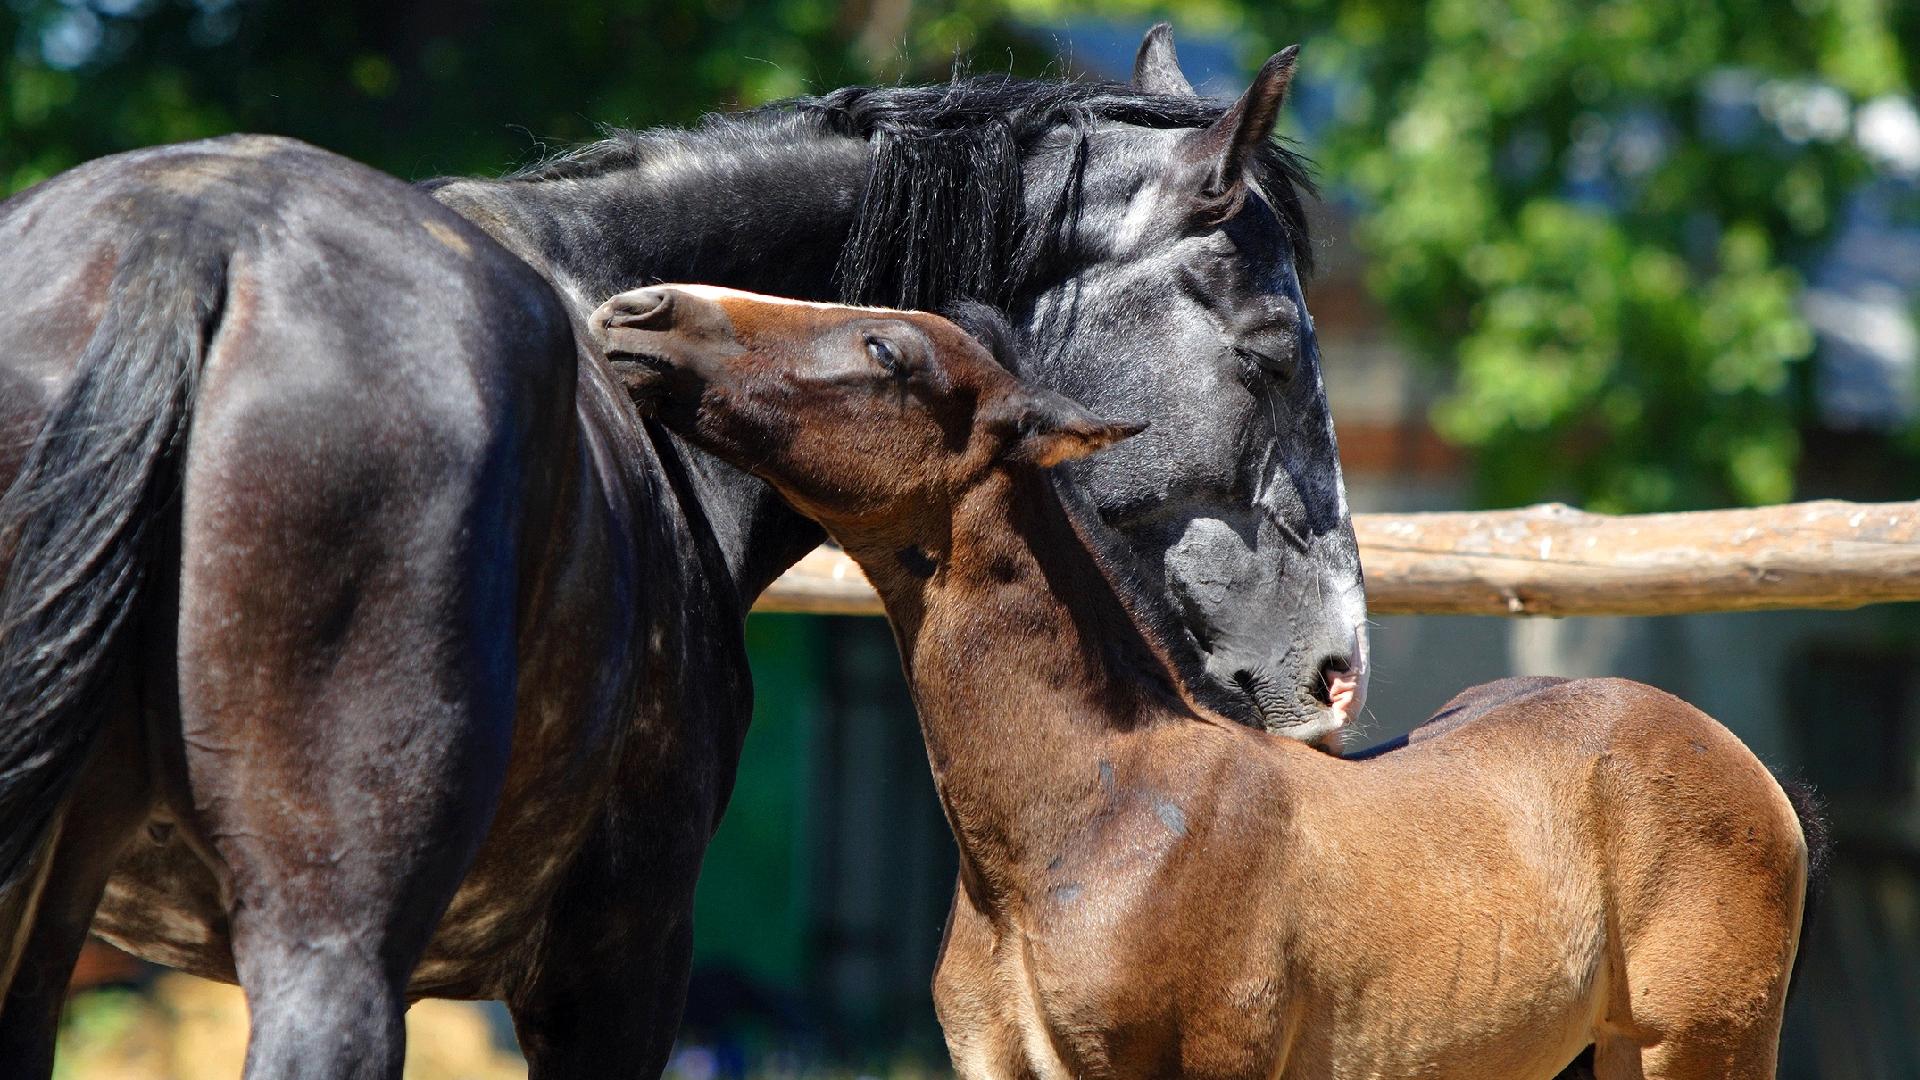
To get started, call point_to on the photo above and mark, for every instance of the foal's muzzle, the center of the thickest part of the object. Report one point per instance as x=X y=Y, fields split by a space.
x=659 y=336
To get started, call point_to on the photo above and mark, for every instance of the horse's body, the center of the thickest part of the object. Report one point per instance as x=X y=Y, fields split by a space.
x=1147 y=891
x=357 y=641
x=405 y=502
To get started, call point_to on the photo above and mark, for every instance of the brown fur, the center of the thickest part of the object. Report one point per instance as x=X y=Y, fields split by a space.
x=1146 y=890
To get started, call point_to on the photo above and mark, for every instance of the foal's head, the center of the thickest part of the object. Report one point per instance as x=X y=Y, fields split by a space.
x=863 y=418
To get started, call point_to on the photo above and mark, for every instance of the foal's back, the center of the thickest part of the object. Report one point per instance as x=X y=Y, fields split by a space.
x=1572 y=862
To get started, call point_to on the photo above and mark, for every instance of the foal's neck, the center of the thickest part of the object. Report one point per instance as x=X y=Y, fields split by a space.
x=1027 y=667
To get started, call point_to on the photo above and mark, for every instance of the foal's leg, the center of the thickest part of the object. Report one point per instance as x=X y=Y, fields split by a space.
x=108 y=804
x=347 y=679
x=1720 y=1052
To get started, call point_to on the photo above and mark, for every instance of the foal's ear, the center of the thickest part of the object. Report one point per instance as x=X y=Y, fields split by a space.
x=1222 y=151
x=1043 y=428
x=1155 y=67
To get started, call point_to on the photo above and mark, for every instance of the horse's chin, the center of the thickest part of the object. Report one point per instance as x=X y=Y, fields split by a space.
x=652 y=398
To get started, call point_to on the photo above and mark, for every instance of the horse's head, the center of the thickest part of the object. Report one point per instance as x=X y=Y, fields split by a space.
x=1182 y=306
x=1148 y=245
x=867 y=420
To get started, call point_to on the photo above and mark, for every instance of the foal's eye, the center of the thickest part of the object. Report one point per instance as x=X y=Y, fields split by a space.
x=883 y=354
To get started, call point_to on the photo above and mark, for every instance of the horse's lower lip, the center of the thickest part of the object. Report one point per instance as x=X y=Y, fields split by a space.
x=1343 y=695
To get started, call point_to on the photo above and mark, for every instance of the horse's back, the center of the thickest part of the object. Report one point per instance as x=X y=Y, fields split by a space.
x=1641 y=747
x=329 y=294
x=347 y=270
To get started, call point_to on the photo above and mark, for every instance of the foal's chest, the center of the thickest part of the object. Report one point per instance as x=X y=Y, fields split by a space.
x=1083 y=1005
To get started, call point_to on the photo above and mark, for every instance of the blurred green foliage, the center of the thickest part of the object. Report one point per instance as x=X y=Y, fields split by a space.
x=1553 y=211
x=1561 y=206
x=434 y=87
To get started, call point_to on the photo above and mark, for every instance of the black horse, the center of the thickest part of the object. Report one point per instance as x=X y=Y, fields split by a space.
x=359 y=643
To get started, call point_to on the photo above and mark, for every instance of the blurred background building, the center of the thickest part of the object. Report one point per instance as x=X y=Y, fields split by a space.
x=1630 y=255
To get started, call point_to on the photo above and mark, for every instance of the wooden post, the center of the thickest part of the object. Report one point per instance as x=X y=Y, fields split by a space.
x=1555 y=560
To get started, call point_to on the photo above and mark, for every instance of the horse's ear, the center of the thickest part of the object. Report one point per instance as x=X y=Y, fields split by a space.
x=1043 y=429
x=1156 y=69
x=1223 y=150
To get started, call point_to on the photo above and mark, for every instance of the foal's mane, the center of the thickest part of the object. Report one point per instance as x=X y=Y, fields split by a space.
x=942 y=214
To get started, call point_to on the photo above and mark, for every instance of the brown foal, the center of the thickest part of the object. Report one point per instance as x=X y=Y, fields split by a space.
x=1147 y=890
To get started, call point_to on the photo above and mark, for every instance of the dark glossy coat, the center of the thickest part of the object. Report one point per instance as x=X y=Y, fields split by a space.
x=359 y=643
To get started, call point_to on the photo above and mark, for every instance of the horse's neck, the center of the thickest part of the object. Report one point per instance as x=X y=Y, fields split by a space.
x=1028 y=672
x=767 y=214
x=762 y=211
x=756 y=533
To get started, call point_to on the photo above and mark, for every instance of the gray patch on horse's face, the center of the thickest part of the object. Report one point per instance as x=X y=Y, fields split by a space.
x=1068 y=893
x=1170 y=815
x=1106 y=776
x=1232 y=498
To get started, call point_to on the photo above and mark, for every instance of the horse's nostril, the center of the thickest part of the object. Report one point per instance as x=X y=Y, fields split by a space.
x=1333 y=674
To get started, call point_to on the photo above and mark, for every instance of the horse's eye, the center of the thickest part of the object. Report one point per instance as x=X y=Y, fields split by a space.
x=1273 y=354
x=883 y=354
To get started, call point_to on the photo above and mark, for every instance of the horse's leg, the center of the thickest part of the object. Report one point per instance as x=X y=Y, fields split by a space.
x=613 y=1012
x=108 y=804
x=347 y=672
x=611 y=980
x=344 y=798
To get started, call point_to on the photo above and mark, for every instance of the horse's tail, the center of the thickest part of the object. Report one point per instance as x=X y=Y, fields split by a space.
x=80 y=519
x=1807 y=806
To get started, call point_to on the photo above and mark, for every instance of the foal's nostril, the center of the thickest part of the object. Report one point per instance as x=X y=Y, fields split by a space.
x=642 y=309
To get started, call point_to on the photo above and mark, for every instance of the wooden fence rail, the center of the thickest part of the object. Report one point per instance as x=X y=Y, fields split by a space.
x=1555 y=560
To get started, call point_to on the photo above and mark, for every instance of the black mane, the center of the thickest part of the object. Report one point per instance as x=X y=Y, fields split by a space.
x=942 y=215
